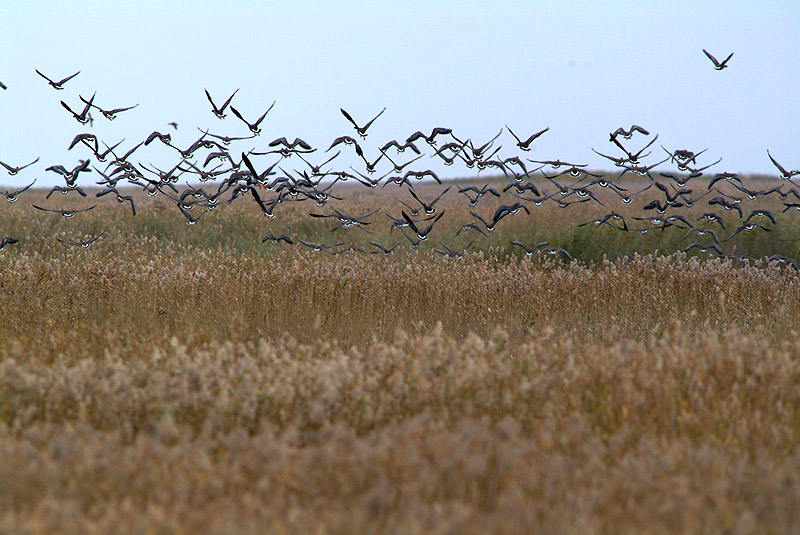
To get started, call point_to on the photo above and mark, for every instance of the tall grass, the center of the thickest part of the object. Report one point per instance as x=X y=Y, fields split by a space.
x=189 y=379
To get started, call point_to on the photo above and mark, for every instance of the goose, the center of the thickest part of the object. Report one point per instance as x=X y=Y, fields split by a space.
x=421 y=234
x=109 y=114
x=275 y=240
x=530 y=250
x=254 y=128
x=80 y=117
x=317 y=248
x=785 y=175
x=120 y=198
x=400 y=147
x=57 y=85
x=362 y=130
x=628 y=134
x=525 y=145
x=383 y=249
x=717 y=64
x=12 y=170
x=11 y=196
x=748 y=227
x=220 y=112
x=704 y=248
x=85 y=244
x=68 y=214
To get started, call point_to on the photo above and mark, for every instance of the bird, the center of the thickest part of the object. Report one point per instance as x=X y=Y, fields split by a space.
x=109 y=114
x=68 y=214
x=275 y=240
x=704 y=248
x=398 y=168
x=254 y=128
x=11 y=196
x=386 y=251
x=628 y=134
x=530 y=250
x=85 y=244
x=400 y=147
x=57 y=85
x=220 y=112
x=760 y=212
x=557 y=250
x=450 y=252
x=421 y=234
x=785 y=175
x=64 y=191
x=606 y=220
x=525 y=145
x=85 y=139
x=80 y=117
x=774 y=258
x=12 y=170
x=226 y=140
x=429 y=207
x=502 y=211
x=718 y=65
x=724 y=176
x=471 y=226
x=120 y=198
x=712 y=217
x=290 y=145
x=173 y=124
x=317 y=248
x=7 y=240
x=703 y=232
x=362 y=130
x=431 y=138
x=748 y=227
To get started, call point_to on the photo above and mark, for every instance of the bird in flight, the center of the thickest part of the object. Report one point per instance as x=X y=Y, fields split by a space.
x=12 y=170
x=525 y=145
x=11 y=196
x=68 y=214
x=362 y=130
x=57 y=85
x=718 y=65
x=7 y=240
x=219 y=112
x=254 y=126
x=85 y=244
x=785 y=175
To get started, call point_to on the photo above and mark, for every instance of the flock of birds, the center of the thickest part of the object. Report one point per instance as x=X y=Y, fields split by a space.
x=237 y=176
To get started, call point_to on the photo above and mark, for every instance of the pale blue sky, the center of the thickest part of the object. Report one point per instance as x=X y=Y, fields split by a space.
x=582 y=68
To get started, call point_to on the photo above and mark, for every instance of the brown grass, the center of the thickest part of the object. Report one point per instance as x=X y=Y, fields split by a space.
x=155 y=384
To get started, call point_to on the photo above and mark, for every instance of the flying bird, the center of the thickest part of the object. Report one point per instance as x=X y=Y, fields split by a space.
x=68 y=214
x=7 y=240
x=362 y=130
x=11 y=196
x=718 y=65
x=57 y=85
x=785 y=175
x=525 y=145
x=12 y=170
x=220 y=112
x=254 y=128
x=85 y=244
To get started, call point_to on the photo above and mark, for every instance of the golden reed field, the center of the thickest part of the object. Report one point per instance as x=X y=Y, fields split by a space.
x=175 y=379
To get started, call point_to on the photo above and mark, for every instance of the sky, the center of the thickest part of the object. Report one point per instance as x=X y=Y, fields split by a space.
x=581 y=68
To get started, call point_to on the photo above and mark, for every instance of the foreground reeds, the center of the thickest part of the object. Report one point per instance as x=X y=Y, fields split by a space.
x=148 y=386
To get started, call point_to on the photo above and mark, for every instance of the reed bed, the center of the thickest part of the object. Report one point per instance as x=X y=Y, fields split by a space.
x=176 y=379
